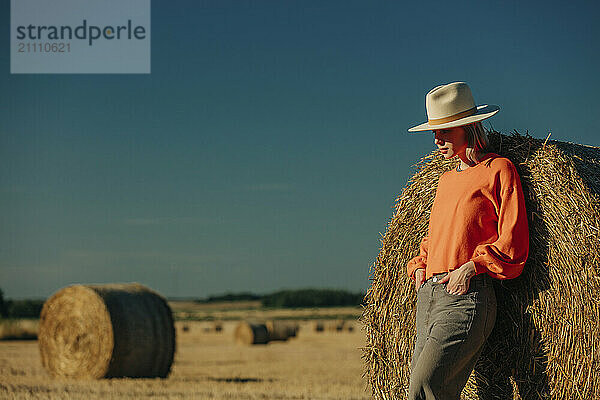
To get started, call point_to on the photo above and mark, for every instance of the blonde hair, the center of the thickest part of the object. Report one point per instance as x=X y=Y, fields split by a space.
x=477 y=140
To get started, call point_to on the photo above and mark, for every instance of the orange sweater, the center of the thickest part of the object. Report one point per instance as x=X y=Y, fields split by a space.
x=478 y=214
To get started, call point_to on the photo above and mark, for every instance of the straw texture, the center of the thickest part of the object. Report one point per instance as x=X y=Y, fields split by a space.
x=546 y=341
x=105 y=331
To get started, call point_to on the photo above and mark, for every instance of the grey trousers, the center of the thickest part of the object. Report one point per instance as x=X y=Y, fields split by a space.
x=451 y=331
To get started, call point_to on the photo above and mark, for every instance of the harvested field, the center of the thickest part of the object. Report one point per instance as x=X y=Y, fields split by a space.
x=324 y=365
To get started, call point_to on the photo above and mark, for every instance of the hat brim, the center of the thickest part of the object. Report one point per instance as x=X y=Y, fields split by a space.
x=483 y=111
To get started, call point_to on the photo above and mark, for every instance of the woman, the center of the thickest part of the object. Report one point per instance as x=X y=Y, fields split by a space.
x=478 y=232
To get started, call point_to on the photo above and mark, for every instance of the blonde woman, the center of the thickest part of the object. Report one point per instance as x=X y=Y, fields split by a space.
x=478 y=232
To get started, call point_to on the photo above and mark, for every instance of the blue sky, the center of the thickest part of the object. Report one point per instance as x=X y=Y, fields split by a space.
x=267 y=146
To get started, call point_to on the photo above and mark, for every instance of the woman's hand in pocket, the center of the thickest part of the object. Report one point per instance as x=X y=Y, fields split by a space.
x=459 y=279
x=419 y=278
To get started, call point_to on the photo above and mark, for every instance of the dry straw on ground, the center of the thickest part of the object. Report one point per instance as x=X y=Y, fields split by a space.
x=104 y=331
x=546 y=342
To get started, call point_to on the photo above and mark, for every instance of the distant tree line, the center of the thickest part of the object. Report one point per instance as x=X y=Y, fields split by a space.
x=20 y=308
x=246 y=296
x=312 y=298
x=295 y=298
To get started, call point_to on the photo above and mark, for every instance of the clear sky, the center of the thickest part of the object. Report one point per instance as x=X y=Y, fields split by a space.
x=267 y=146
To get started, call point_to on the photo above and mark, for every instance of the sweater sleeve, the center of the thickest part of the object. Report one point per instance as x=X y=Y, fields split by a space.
x=505 y=257
x=419 y=261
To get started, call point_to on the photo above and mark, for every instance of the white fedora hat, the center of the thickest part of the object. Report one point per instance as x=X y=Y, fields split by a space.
x=452 y=105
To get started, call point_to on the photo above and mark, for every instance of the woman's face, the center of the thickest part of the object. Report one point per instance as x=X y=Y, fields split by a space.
x=450 y=141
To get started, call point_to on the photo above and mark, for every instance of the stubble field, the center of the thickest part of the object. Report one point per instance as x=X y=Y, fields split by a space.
x=210 y=365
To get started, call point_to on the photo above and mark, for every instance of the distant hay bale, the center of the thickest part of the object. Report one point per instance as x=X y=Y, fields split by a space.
x=349 y=326
x=249 y=333
x=341 y=326
x=319 y=326
x=281 y=330
x=333 y=325
x=218 y=326
x=546 y=341
x=213 y=327
x=106 y=331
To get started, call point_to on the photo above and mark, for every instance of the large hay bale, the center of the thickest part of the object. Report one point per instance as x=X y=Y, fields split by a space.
x=249 y=333
x=546 y=342
x=105 y=331
x=281 y=330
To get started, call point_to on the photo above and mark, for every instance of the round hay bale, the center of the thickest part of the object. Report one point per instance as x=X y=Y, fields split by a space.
x=281 y=330
x=251 y=333
x=546 y=340
x=107 y=331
